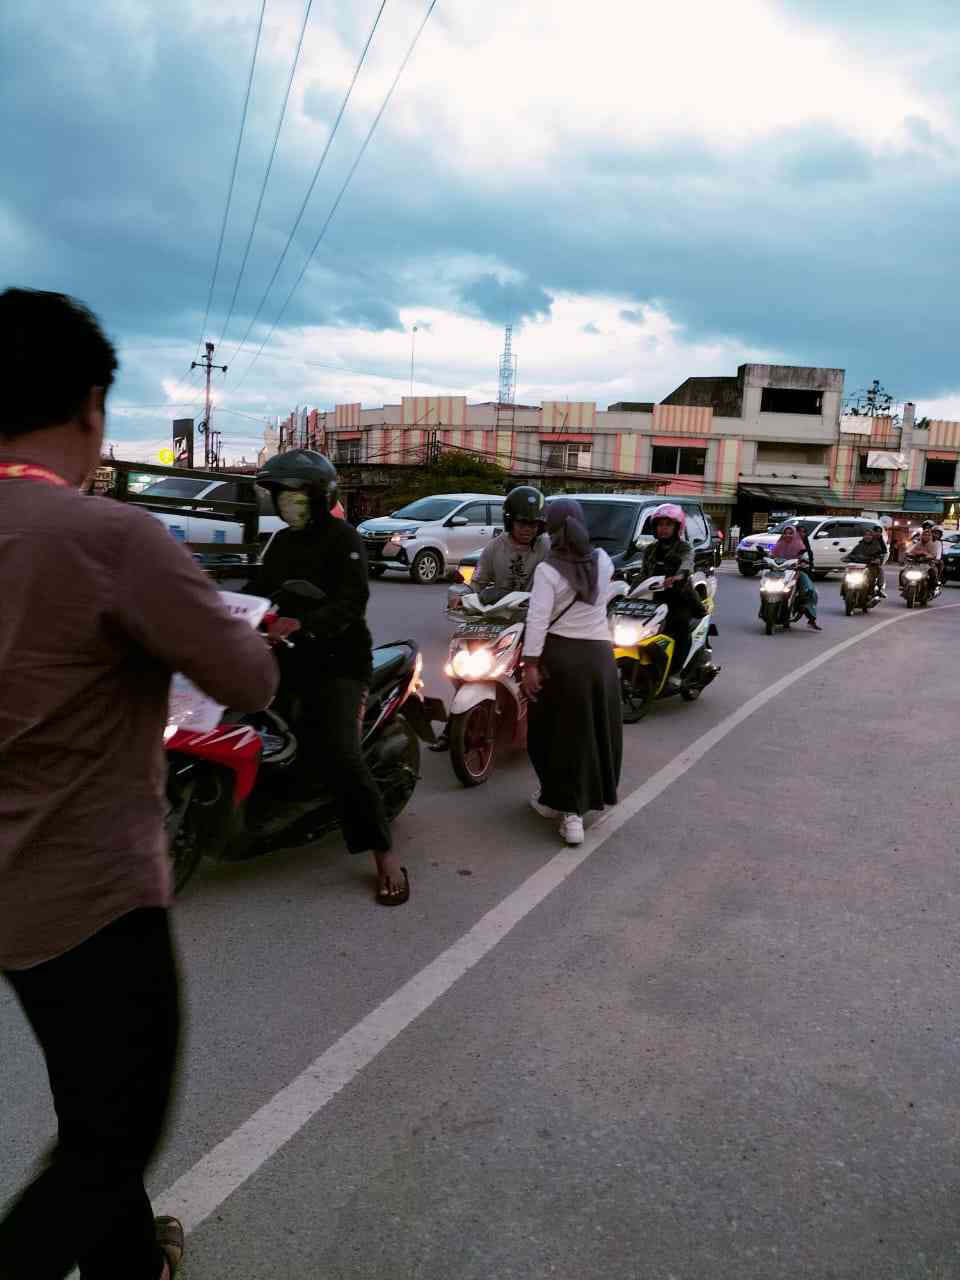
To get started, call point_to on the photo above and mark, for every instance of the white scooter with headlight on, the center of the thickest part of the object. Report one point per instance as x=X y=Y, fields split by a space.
x=780 y=603
x=489 y=707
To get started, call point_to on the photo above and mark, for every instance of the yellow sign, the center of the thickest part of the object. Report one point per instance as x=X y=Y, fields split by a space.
x=166 y=457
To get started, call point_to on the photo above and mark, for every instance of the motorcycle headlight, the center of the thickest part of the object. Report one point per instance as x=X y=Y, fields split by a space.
x=774 y=587
x=170 y=731
x=472 y=664
x=625 y=635
x=913 y=575
x=856 y=577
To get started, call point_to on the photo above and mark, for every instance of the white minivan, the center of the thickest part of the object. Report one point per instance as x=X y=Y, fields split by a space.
x=831 y=539
x=426 y=536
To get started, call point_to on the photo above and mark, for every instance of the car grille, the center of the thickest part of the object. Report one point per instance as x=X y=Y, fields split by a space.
x=374 y=544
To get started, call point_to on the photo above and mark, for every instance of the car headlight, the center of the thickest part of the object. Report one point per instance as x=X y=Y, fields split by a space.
x=397 y=538
x=625 y=635
x=856 y=577
x=914 y=575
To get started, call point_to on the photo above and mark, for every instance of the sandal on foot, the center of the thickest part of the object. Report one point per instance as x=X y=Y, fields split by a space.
x=395 y=897
x=170 y=1240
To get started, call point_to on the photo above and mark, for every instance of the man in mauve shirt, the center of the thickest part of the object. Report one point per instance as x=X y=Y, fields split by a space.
x=100 y=606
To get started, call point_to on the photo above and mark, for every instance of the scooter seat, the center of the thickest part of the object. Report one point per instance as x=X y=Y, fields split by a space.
x=389 y=661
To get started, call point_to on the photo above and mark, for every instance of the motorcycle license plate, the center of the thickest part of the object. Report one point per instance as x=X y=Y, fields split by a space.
x=485 y=630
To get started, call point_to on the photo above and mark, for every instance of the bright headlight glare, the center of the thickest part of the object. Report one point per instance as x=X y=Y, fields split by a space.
x=856 y=577
x=472 y=664
x=170 y=731
x=774 y=586
x=625 y=635
x=914 y=575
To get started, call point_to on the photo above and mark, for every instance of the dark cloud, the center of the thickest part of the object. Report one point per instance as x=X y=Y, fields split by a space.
x=506 y=302
x=806 y=243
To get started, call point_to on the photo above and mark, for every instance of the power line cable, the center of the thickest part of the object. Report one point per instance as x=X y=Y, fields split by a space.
x=266 y=176
x=233 y=174
x=343 y=190
x=313 y=182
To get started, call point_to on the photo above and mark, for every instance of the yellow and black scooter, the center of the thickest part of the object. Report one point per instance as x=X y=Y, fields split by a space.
x=644 y=652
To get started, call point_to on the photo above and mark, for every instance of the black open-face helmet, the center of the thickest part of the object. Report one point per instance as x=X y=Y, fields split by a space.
x=301 y=471
x=524 y=503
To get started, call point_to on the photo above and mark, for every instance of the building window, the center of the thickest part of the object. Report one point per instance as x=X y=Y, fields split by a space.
x=868 y=475
x=791 y=400
x=940 y=472
x=671 y=460
x=566 y=457
x=348 y=451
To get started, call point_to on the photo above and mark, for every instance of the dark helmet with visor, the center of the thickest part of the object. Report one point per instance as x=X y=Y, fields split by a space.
x=524 y=503
x=301 y=471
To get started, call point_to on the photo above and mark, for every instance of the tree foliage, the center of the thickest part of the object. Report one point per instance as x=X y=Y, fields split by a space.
x=453 y=472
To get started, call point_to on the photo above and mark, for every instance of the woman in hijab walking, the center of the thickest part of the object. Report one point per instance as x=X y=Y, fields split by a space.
x=575 y=734
x=793 y=544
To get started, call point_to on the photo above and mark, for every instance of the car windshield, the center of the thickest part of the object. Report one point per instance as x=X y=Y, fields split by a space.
x=610 y=524
x=175 y=487
x=428 y=509
x=805 y=526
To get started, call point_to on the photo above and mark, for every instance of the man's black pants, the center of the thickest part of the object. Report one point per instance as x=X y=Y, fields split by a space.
x=107 y=1018
x=329 y=736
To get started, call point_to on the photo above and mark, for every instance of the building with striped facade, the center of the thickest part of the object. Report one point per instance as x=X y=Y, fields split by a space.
x=772 y=438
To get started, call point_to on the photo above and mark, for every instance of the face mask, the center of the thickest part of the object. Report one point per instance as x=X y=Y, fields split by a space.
x=294 y=509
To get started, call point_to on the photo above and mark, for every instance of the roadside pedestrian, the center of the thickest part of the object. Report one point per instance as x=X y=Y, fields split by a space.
x=576 y=724
x=100 y=605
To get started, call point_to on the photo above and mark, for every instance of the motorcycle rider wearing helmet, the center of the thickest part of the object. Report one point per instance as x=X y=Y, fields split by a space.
x=671 y=557
x=871 y=551
x=331 y=663
x=928 y=548
x=508 y=561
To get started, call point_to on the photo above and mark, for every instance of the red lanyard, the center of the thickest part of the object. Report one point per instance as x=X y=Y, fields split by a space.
x=27 y=471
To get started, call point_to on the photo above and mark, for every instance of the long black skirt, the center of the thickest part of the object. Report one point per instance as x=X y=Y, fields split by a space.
x=575 y=736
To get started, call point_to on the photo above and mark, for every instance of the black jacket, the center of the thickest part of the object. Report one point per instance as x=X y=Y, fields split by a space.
x=864 y=552
x=331 y=556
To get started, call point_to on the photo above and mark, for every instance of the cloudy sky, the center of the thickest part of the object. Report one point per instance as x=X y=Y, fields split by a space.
x=646 y=191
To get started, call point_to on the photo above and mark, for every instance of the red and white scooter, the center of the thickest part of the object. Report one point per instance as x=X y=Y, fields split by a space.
x=227 y=772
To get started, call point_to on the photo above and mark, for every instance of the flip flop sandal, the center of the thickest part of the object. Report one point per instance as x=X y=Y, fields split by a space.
x=170 y=1240
x=395 y=897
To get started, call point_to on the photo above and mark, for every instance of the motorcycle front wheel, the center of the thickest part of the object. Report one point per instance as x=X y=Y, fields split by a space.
x=473 y=743
x=184 y=831
x=636 y=690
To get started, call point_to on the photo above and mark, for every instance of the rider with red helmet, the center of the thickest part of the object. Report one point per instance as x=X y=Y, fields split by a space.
x=670 y=556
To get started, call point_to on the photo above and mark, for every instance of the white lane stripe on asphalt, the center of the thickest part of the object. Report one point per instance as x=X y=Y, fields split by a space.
x=204 y=1188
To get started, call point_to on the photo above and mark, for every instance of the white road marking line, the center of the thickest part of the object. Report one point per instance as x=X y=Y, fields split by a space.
x=204 y=1188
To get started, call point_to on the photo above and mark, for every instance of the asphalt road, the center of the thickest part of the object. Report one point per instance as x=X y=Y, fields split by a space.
x=722 y=1044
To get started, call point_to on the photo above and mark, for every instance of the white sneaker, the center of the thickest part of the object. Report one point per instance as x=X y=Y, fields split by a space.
x=571 y=828
x=544 y=810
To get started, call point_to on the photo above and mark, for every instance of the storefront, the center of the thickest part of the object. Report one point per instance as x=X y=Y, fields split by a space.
x=759 y=506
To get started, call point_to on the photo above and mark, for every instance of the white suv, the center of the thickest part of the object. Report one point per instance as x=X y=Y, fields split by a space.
x=425 y=537
x=831 y=538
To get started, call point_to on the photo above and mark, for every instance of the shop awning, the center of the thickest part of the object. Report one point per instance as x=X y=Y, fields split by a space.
x=922 y=500
x=791 y=496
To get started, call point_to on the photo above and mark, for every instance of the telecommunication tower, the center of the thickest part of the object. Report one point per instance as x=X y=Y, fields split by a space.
x=506 y=397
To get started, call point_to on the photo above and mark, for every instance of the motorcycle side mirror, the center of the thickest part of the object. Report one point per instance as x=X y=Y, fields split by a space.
x=305 y=590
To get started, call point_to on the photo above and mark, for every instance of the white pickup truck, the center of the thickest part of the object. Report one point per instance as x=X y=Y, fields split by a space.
x=194 y=525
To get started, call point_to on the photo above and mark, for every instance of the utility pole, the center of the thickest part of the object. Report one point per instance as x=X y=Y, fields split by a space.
x=207 y=363
x=413 y=348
